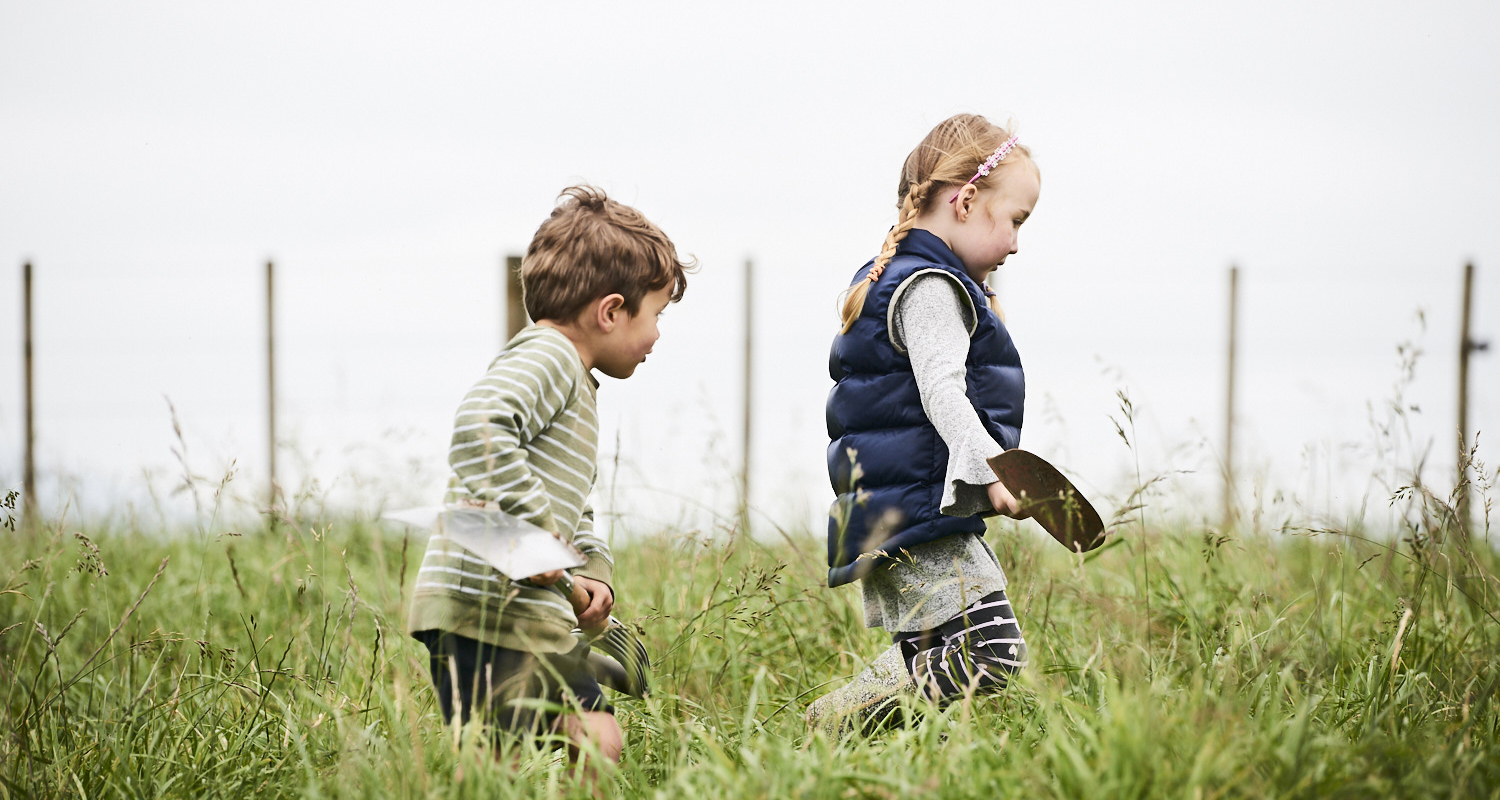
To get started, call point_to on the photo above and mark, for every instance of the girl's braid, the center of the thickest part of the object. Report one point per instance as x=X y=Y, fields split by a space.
x=911 y=207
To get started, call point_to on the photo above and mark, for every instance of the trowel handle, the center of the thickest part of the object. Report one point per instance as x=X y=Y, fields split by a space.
x=576 y=595
x=579 y=599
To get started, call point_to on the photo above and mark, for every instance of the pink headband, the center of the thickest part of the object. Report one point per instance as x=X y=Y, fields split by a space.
x=989 y=164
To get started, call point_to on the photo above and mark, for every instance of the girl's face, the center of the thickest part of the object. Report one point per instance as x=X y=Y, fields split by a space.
x=990 y=230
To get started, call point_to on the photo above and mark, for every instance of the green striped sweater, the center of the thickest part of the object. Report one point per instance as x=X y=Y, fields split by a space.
x=525 y=437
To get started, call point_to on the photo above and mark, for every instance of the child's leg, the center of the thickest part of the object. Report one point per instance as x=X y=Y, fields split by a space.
x=867 y=702
x=590 y=732
x=599 y=729
x=976 y=651
x=502 y=686
x=590 y=722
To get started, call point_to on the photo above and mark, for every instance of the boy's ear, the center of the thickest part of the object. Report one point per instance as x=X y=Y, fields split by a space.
x=609 y=311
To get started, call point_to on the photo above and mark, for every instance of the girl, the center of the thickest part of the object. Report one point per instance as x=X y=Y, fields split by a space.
x=928 y=387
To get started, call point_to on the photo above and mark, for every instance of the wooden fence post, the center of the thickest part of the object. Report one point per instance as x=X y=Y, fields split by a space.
x=271 y=388
x=29 y=504
x=749 y=407
x=1234 y=288
x=1466 y=344
x=513 y=300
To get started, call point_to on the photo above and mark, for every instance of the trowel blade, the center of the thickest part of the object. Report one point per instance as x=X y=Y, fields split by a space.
x=513 y=546
x=1047 y=496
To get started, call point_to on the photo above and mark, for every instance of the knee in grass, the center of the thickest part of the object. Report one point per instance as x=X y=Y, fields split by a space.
x=599 y=729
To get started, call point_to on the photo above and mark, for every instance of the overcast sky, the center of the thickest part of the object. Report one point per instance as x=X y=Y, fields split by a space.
x=388 y=156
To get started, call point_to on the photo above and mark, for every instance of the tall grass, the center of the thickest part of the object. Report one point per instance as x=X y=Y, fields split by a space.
x=274 y=663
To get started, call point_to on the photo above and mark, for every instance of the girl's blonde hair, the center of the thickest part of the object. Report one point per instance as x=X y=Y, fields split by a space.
x=944 y=161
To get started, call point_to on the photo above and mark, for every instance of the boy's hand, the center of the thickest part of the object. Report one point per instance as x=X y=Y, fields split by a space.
x=601 y=602
x=1004 y=502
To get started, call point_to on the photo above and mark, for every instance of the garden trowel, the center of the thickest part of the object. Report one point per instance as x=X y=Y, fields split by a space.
x=518 y=549
x=1048 y=497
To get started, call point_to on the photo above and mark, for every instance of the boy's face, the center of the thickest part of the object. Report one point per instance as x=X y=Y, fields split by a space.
x=626 y=345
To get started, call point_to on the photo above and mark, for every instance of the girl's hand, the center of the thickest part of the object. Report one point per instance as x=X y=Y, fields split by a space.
x=601 y=602
x=1003 y=501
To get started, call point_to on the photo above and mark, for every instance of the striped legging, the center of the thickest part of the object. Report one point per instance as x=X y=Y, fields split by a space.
x=978 y=650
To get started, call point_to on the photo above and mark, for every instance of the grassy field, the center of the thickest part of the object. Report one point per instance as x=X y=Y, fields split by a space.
x=1177 y=663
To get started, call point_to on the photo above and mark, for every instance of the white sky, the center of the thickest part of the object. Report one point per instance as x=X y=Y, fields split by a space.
x=387 y=156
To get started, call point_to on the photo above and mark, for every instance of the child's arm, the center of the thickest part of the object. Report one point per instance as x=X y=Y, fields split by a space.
x=933 y=319
x=597 y=575
x=601 y=562
x=514 y=401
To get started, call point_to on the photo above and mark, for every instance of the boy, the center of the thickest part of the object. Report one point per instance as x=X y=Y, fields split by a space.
x=595 y=277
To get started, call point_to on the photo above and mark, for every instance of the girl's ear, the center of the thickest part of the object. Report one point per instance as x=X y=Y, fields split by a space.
x=608 y=311
x=963 y=205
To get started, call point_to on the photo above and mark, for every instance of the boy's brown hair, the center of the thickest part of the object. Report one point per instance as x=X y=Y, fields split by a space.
x=592 y=246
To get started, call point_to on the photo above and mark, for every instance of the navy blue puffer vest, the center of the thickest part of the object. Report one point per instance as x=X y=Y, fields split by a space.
x=886 y=460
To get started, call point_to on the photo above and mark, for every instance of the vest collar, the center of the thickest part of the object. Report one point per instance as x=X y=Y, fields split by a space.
x=927 y=245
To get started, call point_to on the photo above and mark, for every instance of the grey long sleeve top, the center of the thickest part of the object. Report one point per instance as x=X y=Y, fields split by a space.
x=931 y=320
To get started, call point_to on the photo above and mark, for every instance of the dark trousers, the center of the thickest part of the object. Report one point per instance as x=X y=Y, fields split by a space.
x=513 y=690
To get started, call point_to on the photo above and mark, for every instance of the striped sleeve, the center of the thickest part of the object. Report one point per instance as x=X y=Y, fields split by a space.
x=601 y=563
x=516 y=400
